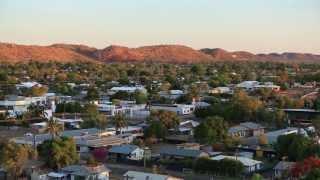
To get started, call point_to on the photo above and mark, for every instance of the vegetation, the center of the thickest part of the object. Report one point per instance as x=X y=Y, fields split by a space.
x=167 y=118
x=54 y=128
x=296 y=147
x=212 y=130
x=156 y=129
x=13 y=158
x=58 y=152
x=225 y=167
x=72 y=107
x=119 y=121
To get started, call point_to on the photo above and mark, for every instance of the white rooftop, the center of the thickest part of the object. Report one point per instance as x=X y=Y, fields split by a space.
x=136 y=175
x=244 y=160
x=28 y=84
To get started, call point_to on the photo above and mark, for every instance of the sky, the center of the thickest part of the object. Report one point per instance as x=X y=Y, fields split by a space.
x=259 y=26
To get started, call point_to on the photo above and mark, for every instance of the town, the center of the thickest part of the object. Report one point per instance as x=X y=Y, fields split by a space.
x=139 y=121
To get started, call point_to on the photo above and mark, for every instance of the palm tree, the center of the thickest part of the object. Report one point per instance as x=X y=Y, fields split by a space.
x=120 y=121
x=53 y=128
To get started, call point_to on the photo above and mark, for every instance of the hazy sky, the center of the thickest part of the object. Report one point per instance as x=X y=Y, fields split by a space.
x=253 y=25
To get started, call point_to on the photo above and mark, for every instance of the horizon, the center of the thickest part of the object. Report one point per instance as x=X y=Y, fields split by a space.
x=159 y=45
x=255 y=26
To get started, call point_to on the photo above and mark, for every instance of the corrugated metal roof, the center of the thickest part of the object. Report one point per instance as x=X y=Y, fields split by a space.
x=180 y=152
x=123 y=149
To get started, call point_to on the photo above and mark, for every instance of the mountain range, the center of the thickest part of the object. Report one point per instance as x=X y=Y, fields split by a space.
x=158 y=53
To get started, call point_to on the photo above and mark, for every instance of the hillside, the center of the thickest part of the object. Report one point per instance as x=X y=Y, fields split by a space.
x=22 y=53
x=158 y=53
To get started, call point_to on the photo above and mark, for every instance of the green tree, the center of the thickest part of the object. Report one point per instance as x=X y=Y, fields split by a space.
x=156 y=129
x=212 y=130
x=316 y=104
x=13 y=157
x=193 y=93
x=71 y=107
x=54 y=128
x=91 y=116
x=120 y=121
x=244 y=106
x=36 y=91
x=140 y=97
x=167 y=118
x=224 y=167
x=296 y=147
x=256 y=177
x=92 y=94
x=313 y=174
x=198 y=69
x=58 y=153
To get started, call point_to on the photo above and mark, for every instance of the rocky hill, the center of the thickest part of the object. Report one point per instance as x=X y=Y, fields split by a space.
x=158 y=53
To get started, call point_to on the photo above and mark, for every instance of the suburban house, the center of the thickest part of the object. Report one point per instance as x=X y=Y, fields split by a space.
x=250 y=165
x=186 y=127
x=281 y=170
x=246 y=129
x=85 y=139
x=88 y=143
x=273 y=135
x=254 y=85
x=180 y=109
x=136 y=175
x=180 y=153
x=28 y=85
x=16 y=105
x=127 y=109
x=220 y=90
x=128 y=89
x=126 y=152
x=136 y=131
x=171 y=94
x=97 y=172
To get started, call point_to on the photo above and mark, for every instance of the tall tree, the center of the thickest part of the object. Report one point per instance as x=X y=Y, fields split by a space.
x=119 y=121
x=212 y=130
x=167 y=118
x=54 y=128
x=13 y=158
x=58 y=153
x=92 y=94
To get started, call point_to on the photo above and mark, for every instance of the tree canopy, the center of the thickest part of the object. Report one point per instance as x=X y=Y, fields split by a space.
x=59 y=152
x=211 y=130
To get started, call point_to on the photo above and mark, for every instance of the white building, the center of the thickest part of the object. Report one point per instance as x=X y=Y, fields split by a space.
x=171 y=94
x=220 y=90
x=186 y=127
x=254 y=85
x=180 y=109
x=282 y=169
x=127 y=151
x=250 y=165
x=16 y=105
x=28 y=85
x=128 y=89
x=136 y=175
x=273 y=135
x=130 y=110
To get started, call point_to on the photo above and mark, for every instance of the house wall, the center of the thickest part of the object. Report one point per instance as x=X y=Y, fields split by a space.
x=137 y=154
x=253 y=168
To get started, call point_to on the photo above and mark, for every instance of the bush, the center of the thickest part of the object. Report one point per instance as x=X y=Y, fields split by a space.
x=225 y=167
